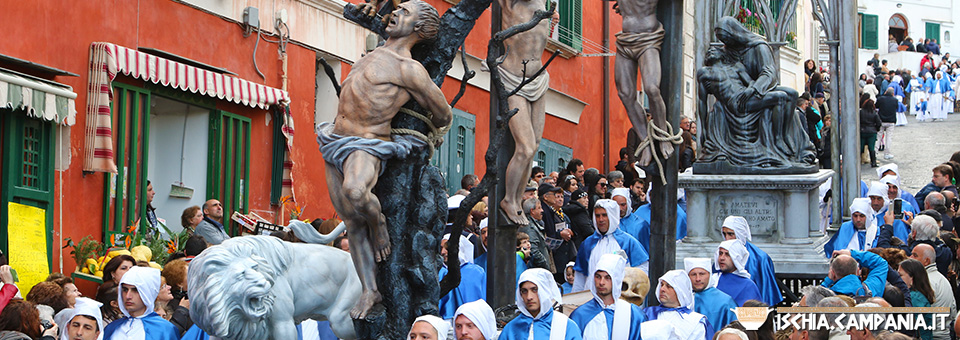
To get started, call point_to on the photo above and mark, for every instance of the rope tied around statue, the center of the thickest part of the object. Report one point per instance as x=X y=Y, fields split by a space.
x=433 y=137
x=656 y=134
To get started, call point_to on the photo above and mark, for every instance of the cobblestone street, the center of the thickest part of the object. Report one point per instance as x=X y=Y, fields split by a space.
x=917 y=148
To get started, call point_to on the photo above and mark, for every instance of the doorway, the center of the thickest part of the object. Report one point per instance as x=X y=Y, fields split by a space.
x=898 y=27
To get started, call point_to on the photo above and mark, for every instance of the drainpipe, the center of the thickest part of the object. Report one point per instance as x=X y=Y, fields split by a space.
x=606 y=87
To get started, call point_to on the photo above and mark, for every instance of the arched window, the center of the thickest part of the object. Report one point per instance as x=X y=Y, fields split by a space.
x=897 y=21
x=898 y=27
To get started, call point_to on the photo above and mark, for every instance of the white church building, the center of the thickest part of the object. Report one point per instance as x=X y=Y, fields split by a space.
x=917 y=19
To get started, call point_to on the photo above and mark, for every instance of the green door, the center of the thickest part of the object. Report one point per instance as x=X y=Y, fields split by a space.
x=933 y=32
x=28 y=149
x=122 y=203
x=228 y=164
x=455 y=156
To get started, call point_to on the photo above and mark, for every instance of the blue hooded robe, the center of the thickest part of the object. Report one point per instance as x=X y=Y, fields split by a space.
x=588 y=318
x=737 y=284
x=587 y=311
x=521 y=327
x=759 y=264
x=482 y=262
x=716 y=306
x=642 y=233
x=154 y=326
x=473 y=287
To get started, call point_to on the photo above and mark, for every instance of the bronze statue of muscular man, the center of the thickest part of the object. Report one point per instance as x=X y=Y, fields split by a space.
x=359 y=141
x=638 y=47
x=522 y=60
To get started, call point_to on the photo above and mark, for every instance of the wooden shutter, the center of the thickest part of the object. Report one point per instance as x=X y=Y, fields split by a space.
x=933 y=32
x=869 y=26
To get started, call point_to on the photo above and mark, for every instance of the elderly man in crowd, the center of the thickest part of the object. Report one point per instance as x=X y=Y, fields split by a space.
x=717 y=306
x=942 y=289
x=925 y=231
x=843 y=278
x=607 y=317
x=536 y=293
x=211 y=227
x=675 y=313
x=474 y=321
x=556 y=227
x=730 y=274
x=539 y=254
x=759 y=264
x=936 y=201
x=812 y=295
x=606 y=239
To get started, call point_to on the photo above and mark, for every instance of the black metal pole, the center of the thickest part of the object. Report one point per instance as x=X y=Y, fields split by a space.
x=663 y=224
x=606 y=88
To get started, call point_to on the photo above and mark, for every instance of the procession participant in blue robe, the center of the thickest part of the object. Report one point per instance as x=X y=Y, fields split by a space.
x=893 y=169
x=759 y=264
x=607 y=238
x=568 y=274
x=474 y=321
x=675 y=314
x=716 y=305
x=78 y=317
x=642 y=233
x=894 y=192
x=428 y=327
x=139 y=288
x=473 y=280
x=629 y=221
x=730 y=273
x=536 y=293
x=859 y=233
x=879 y=202
x=607 y=317
x=482 y=259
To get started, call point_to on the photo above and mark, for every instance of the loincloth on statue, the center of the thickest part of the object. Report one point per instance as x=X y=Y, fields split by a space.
x=336 y=148
x=634 y=45
x=532 y=91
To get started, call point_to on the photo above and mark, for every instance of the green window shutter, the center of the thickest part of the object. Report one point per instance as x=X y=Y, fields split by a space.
x=455 y=156
x=228 y=159
x=553 y=156
x=279 y=153
x=869 y=31
x=122 y=203
x=933 y=31
x=571 y=27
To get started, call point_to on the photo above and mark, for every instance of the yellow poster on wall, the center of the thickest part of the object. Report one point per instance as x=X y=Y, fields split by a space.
x=27 y=244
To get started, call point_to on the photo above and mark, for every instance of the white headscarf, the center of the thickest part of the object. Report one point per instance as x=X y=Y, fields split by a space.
x=891 y=179
x=740 y=227
x=680 y=282
x=888 y=167
x=442 y=327
x=466 y=251
x=615 y=265
x=607 y=244
x=147 y=281
x=84 y=306
x=625 y=193
x=547 y=291
x=739 y=255
x=879 y=189
x=483 y=223
x=862 y=205
x=480 y=313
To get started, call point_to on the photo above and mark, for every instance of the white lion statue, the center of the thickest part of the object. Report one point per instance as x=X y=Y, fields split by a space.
x=259 y=287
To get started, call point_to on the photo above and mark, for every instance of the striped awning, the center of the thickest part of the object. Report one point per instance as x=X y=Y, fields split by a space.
x=38 y=98
x=107 y=60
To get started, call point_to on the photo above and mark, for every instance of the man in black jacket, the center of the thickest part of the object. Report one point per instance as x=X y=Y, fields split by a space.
x=556 y=227
x=887 y=106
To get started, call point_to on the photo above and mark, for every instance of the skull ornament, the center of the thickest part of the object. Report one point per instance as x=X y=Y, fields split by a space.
x=636 y=284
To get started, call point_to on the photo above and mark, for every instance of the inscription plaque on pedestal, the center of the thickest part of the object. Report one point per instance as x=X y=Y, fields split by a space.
x=761 y=209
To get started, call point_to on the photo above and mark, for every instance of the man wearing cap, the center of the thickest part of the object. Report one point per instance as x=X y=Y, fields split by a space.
x=730 y=275
x=606 y=239
x=556 y=226
x=428 y=327
x=859 y=233
x=482 y=259
x=893 y=169
x=475 y=321
x=607 y=317
x=539 y=255
x=629 y=222
x=138 y=291
x=759 y=264
x=880 y=203
x=675 y=310
x=473 y=279
x=536 y=293
x=84 y=322
x=711 y=302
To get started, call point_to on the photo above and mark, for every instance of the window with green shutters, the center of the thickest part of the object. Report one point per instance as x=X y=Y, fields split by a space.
x=933 y=31
x=869 y=27
x=228 y=164
x=554 y=155
x=122 y=193
x=570 y=26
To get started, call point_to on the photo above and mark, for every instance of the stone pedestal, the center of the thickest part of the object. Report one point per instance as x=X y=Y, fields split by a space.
x=782 y=211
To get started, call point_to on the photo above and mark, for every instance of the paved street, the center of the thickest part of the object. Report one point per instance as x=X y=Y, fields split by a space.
x=917 y=148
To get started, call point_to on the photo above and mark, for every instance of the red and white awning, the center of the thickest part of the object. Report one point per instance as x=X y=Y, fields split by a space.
x=107 y=60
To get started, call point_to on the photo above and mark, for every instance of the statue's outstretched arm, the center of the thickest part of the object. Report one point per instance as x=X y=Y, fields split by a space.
x=415 y=79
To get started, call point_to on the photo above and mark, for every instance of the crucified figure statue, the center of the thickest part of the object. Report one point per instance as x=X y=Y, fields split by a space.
x=638 y=48
x=359 y=141
x=522 y=60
